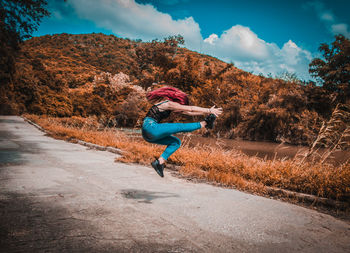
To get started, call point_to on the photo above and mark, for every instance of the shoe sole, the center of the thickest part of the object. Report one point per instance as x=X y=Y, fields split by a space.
x=156 y=169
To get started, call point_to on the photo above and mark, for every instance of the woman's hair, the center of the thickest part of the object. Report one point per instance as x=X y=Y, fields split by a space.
x=168 y=92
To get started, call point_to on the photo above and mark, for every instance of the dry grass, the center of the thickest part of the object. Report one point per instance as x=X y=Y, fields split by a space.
x=335 y=134
x=229 y=168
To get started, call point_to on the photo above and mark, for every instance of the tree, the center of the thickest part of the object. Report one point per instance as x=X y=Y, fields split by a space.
x=158 y=54
x=18 y=20
x=289 y=77
x=334 y=70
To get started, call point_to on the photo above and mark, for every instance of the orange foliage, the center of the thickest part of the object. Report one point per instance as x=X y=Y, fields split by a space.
x=95 y=74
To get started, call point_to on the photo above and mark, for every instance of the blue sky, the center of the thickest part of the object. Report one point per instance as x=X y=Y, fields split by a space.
x=265 y=37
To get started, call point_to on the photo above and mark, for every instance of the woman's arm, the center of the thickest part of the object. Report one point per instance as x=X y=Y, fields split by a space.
x=191 y=113
x=190 y=110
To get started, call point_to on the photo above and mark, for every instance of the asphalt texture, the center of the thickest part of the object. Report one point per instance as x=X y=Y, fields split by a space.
x=57 y=196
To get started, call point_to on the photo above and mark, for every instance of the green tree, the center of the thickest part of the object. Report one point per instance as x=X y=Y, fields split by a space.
x=334 y=70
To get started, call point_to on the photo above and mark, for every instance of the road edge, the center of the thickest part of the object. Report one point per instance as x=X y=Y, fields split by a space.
x=301 y=198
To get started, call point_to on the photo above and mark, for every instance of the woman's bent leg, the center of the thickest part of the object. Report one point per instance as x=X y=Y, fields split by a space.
x=172 y=142
x=160 y=133
x=165 y=129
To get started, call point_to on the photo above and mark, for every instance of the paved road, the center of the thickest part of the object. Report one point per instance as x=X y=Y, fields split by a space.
x=61 y=197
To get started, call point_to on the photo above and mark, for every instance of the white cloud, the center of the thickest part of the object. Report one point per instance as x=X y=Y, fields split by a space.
x=327 y=16
x=243 y=47
x=211 y=39
x=292 y=54
x=342 y=29
x=239 y=44
x=137 y=21
x=329 y=19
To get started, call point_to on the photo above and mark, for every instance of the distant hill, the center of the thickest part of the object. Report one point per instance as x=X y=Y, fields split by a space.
x=96 y=74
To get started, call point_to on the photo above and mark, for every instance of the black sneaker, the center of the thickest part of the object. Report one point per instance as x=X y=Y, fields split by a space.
x=158 y=167
x=210 y=121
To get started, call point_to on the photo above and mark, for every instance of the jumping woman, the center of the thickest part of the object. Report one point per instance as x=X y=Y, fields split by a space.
x=166 y=100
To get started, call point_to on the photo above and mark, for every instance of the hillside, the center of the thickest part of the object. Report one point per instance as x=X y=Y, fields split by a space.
x=95 y=74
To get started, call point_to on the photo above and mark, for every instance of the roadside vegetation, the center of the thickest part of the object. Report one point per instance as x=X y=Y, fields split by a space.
x=213 y=164
x=69 y=75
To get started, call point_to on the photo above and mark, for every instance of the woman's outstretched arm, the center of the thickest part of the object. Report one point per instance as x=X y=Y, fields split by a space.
x=190 y=110
x=191 y=113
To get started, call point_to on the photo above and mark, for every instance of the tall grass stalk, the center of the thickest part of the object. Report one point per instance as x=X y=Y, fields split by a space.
x=333 y=135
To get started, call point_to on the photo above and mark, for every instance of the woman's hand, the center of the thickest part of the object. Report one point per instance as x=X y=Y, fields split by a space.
x=215 y=111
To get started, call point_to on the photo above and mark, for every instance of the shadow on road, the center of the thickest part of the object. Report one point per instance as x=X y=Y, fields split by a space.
x=13 y=152
x=10 y=121
x=146 y=196
x=30 y=225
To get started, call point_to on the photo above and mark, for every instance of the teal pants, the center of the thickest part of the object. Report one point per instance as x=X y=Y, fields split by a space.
x=161 y=133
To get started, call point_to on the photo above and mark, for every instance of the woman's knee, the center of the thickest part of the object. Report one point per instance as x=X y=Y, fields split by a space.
x=177 y=142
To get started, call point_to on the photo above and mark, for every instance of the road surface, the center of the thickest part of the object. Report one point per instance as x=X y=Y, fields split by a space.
x=57 y=196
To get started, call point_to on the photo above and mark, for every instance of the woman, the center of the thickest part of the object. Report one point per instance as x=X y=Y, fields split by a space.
x=166 y=100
